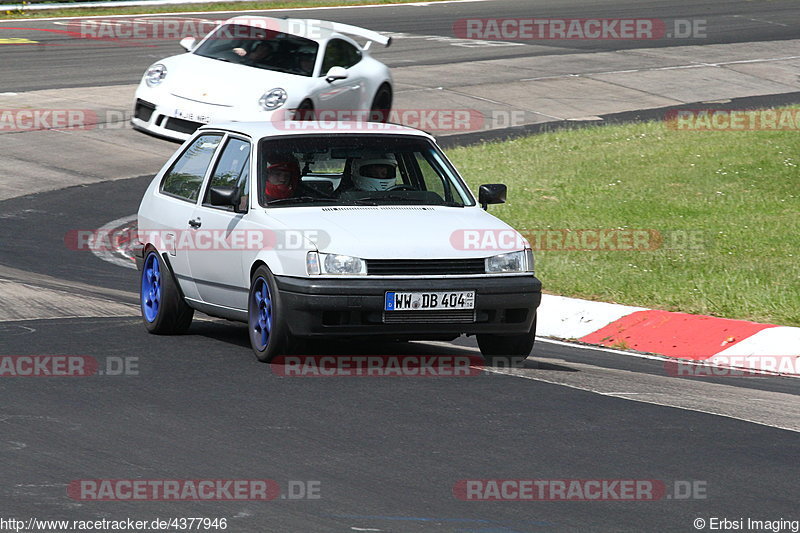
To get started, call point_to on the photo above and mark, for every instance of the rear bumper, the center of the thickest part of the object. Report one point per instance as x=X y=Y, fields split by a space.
x=325 y=307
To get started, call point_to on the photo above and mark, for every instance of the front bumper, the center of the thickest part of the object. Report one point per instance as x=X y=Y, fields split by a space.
x=160 y=118
x=160 y=115
x=333 y=307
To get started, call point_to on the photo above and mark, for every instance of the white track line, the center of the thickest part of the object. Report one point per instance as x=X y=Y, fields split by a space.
x=621 y=395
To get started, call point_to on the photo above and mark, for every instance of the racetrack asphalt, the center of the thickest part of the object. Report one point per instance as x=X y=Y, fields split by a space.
x=386 y=452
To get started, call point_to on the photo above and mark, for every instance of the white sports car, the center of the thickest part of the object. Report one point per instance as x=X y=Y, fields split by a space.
x=263 y=68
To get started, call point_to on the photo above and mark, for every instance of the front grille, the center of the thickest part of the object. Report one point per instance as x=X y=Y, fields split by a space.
x=421 y=267
x=182 y=126
x=460 y=316
x=143 y=110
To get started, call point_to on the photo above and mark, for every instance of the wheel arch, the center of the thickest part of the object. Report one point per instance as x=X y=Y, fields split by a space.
x=150 y=247
x=257 y=263
x=388 y=86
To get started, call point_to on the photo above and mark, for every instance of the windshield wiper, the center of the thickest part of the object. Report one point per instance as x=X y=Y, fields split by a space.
x=299 y=200
x=270 y=67
x=375 y=200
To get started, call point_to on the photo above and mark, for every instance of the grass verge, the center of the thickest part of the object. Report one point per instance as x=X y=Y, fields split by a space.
x=726 y=205
x=188 y=8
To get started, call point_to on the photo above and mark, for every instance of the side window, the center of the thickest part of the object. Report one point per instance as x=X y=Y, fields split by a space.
x=339 y=53
x=185 y=177
x=352 y=53
x=232 y=169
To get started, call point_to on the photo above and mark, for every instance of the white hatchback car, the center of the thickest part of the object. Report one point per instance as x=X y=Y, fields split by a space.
x=306 y=233
x=254 y=68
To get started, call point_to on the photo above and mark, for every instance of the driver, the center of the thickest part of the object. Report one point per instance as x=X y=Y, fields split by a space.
x=374 y=174
x=261 y=53
x=282 y=176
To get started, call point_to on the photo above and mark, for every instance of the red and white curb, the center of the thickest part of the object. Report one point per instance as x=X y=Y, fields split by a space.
x=765 y=348
x=723 y=342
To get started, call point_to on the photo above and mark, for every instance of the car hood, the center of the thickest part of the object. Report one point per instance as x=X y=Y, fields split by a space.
x=216 y=82
x=393 y=232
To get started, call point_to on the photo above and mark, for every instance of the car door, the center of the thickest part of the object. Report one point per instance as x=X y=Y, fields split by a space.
x=345 y=94
x=222 y=237
x=170 y=223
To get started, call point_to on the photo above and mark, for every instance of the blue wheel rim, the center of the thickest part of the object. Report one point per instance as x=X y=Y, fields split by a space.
x=260 y=314
x=151 y=287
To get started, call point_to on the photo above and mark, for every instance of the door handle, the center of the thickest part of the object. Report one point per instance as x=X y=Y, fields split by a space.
x=195 y=223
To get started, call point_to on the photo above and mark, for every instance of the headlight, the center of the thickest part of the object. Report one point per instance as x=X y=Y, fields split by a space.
x=521 y=261
x=273 y=99
x=317 y=263
x=155 y=75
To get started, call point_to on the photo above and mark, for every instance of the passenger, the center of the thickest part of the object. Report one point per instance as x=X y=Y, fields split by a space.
x=374 y=174
x=282 y=176
x=306 y=64
x=305 y=58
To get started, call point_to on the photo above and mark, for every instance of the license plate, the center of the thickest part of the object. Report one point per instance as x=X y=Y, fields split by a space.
x=428 y=301
x=194 y=117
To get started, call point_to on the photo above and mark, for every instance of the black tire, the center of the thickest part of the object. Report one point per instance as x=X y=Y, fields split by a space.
x=267 y=317
x=305 y=111
x=507 y=350
x=381 y=104
x=163 y=308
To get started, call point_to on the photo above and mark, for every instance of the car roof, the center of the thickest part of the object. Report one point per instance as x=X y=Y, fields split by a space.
x=258 y=130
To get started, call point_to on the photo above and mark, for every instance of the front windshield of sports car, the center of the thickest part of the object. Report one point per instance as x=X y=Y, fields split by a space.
x=354 y=170
x=261 y=48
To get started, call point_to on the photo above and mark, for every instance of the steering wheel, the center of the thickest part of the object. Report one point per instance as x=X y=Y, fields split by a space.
x=401 y=187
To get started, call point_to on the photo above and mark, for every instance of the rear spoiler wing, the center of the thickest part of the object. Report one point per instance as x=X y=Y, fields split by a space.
x=310 y=28
x=364 y=33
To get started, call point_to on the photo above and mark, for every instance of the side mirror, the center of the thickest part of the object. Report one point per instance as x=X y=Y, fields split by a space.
x=224 y=197
x=492 y=193
x=336 y=73
x=188 y=43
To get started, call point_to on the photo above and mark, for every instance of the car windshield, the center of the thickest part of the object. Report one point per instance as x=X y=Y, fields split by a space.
x=261 y=48
x=357 y=170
